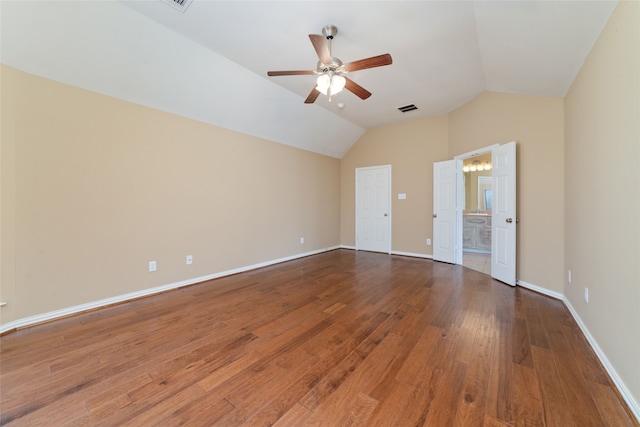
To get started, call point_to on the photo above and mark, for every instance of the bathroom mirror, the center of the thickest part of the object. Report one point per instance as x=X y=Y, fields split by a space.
x=484 y=193
x=476 y=183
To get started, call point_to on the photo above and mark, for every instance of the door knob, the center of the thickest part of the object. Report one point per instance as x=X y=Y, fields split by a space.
x=509 y=220
x=435 y=215
x=386 y=214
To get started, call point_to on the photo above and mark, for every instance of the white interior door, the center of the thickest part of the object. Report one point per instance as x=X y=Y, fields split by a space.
x=444 y=210
x=503 y=226
x=373 y=209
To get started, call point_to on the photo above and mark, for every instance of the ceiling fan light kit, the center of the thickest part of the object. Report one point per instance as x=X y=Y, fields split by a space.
x=330 y=83
x=330 y=70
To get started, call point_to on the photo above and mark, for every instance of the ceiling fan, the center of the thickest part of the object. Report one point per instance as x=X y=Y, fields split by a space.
x=330 y=70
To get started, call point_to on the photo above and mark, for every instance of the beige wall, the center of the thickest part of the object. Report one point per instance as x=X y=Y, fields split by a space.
x=537 y=126
x=411 y=149
x=7 y=197
x=103 y=186
x=536 y=123
x=602 y=218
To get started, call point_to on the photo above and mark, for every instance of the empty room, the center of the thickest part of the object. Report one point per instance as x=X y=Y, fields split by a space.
x=377 y=213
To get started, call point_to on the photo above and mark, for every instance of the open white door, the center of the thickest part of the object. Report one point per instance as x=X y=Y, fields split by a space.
x=444 y=210
x=503 y=228
x=373 y=209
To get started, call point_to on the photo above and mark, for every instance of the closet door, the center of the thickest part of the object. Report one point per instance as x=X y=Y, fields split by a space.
x=373 y=209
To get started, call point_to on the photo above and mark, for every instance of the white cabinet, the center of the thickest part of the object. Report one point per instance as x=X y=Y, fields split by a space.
x=476 y=234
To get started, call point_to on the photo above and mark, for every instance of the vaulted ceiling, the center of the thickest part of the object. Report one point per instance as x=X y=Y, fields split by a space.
x=210 y=62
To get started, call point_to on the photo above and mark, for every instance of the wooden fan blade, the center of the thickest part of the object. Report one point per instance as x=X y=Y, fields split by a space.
x=356 y=89
x=322 y=48
x=374 y=61
x=312 y=96
x=290 y=73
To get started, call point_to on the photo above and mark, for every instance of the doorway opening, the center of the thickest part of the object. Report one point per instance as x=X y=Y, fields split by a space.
x=477 y=207
x=477 y=213
x=448 y=198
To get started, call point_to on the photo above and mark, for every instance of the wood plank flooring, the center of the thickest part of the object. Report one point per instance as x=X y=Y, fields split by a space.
x=337 y=339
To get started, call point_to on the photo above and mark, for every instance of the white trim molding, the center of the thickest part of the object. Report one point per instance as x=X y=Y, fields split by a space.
x=620 y=385
x=409 y=254
x=77 y=309
x=540 y=289
x=622 y=388
x=412 y=254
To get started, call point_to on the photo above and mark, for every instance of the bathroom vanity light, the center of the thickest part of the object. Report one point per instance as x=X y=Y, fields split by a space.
x=477 y=166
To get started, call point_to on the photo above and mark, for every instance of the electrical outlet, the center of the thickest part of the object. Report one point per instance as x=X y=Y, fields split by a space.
x=152 y=266
x=586 y=295
x=189 y=259
x=428 y=242
x=569 y=276
x=302 y=240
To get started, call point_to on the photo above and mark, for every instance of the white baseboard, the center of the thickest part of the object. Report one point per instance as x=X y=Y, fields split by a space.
x=540 y=290
x=411 y=254
x=76 y=309
x=622 y=388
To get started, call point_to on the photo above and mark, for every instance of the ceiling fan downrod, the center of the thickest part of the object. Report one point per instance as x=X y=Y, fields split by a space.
x=329 y=31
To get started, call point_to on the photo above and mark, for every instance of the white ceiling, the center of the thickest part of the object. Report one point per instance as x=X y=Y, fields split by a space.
x=210 y=63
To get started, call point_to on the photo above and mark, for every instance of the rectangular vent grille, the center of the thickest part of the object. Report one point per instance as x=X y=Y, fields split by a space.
x=181 y=5
x=406 y=108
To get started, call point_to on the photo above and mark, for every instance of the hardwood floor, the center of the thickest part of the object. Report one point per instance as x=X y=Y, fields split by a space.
x=340 y=338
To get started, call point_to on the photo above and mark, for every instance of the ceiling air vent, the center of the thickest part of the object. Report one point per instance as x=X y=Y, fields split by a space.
x=407 y=108
x=181 y=5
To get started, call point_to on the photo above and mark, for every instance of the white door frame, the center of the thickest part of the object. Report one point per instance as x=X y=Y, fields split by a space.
x=388 y=225
x=460 y=198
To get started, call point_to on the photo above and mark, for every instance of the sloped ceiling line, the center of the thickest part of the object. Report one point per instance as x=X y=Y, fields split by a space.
x=444 y=55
